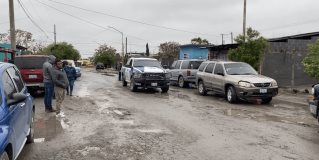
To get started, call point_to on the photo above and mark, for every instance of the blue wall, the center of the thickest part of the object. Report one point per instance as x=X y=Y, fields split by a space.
x=193 y=52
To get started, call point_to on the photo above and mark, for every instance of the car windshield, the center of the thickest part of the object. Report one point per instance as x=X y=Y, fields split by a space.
x=148 y=63
x=30 y=62
x=239 y=69
x=195 y=64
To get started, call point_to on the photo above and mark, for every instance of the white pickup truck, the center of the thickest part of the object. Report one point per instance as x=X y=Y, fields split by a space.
x=145 y=73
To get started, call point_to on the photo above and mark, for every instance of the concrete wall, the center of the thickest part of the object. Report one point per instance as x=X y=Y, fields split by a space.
x=193 y=53
x=278 y=62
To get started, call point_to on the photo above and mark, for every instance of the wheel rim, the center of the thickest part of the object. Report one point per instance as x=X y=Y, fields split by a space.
x=200 y=87
x=229 y=95
x=181 y=81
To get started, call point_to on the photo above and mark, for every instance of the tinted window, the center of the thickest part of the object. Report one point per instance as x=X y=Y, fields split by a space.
x=178 y=65
x=30 y=62
x=8 y=85
x=195 y=64
x=209 y=68
x=185 y=65
x=202 y=66
x=173 y=65
x=16 y=77
x=218 y=69
x=144 y=62
x=239 y=69
x=128 y=62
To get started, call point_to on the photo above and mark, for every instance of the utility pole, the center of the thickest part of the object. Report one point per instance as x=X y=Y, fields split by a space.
x=293 y=69
x=244 y=22
x=232 y=38
x=222 y=39
x=125 y=45
x=54 y=35
x=12 y=26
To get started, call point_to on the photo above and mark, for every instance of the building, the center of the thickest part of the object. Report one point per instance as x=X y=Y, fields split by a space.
x=220 y=51
x=7 y=54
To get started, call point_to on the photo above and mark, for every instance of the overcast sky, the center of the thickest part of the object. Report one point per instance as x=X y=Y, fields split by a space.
x=185 y=18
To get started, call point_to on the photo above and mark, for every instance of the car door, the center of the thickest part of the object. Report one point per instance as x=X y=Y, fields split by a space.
x=219 y=76
x=208 y=75
x=16 y=113
x=128 y=70
x=175 y=72
x=171 y=70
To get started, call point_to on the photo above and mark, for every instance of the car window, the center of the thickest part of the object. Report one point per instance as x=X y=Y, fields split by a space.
x=144 y=62
x=209 y=68
x=128 y=62
x=17 y=78
x=218 y=69
x=239 y=69
x=30 y=62
x=195 y=64
x=202 y=66
x=8 y=85
x=185 y=65
x=173 y=65
x=178 y=65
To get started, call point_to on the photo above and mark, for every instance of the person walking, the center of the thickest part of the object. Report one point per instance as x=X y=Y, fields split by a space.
x=60 y=84
x=48 y=83
x=71 y=74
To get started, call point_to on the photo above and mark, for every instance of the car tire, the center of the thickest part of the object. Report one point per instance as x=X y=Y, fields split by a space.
x=30 y=137
x=266 y=100
x=201 y=88
x=132 y=86
x=4 y=156
x=124 y=83
x=165 y=89
x=181 y=82
x=231 y=95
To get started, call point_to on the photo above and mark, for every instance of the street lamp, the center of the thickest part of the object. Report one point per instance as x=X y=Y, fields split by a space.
x=122 y=39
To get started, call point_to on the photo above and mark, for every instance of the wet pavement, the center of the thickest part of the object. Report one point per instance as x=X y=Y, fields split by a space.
x=104 y=120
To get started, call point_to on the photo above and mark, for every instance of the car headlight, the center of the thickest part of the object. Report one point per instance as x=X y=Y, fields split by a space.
x=274 y=84
x=244 y=84
x=138 y=75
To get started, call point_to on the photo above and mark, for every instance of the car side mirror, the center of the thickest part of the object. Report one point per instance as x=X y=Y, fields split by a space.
x=16 y=98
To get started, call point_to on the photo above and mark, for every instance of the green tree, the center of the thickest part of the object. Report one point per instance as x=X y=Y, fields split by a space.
x=199 y=41
x=169 y=50
x=105 y=54
x=250 y=50
x=311 y=61
x=62 y=50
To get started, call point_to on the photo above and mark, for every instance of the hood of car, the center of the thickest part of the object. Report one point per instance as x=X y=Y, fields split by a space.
x=252 y=78
x=147 y=69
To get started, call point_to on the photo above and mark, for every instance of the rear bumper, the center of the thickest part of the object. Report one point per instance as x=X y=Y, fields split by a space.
x=151 y=83
x=253 y=93
x=40 y=85
x=190 y=79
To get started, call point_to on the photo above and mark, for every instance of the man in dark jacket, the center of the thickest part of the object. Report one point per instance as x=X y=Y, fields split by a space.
x=71 y=74
x=60 y=84
x=48 y=83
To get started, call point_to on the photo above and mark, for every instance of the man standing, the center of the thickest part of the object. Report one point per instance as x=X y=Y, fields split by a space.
x=71 y=74
x=60 y=84
x=48 y=83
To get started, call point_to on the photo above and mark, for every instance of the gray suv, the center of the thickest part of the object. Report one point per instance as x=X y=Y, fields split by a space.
x=184 y=71
x=235 y=80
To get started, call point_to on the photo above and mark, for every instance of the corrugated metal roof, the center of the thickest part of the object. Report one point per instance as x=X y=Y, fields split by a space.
x=298 y=36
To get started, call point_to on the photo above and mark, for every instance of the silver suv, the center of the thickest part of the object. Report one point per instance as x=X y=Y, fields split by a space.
x=184 y=71
x=235 y=80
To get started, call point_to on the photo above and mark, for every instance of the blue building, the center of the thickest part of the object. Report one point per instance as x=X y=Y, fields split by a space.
x=193 y=51
x=7 y=54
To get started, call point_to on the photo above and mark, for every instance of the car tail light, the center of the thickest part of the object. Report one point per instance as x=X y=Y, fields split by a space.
x=188 y=73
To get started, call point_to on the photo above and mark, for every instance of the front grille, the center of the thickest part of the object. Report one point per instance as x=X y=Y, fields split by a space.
x=154 y=76
x=262 y=84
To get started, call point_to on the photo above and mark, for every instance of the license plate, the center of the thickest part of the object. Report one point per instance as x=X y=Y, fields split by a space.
x=263 y=90
x=153 y=84
x=33 y=76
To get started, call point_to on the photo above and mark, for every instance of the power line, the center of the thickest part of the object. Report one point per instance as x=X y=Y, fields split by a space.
x=30 y=18
x=131 y=20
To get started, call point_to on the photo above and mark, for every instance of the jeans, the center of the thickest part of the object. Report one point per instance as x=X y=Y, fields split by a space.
x=59 y=96
x=70 y=88
x=48 y=95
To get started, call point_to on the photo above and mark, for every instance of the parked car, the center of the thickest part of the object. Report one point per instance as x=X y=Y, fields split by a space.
x=31 y=68
x=313 y=101
x=16 y=112
x=236 y=80
x=145 y=73
x=99 y=66
x=184 y=71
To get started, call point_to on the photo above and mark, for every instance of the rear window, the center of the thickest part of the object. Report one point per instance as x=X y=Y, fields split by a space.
x=185 y=65
x=195 y=64
x=30 y=62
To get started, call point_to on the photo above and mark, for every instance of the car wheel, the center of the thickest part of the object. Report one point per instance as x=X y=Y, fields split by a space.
x=4 y=156
x=132 y=86
x=124 y=83
x=231 y=95
x=201 y=88
x=266 y=100
x=165 y=89
x=30 y=137
x=181 y=82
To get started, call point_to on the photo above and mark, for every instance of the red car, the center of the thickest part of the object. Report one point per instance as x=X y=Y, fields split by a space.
x=30 y=67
